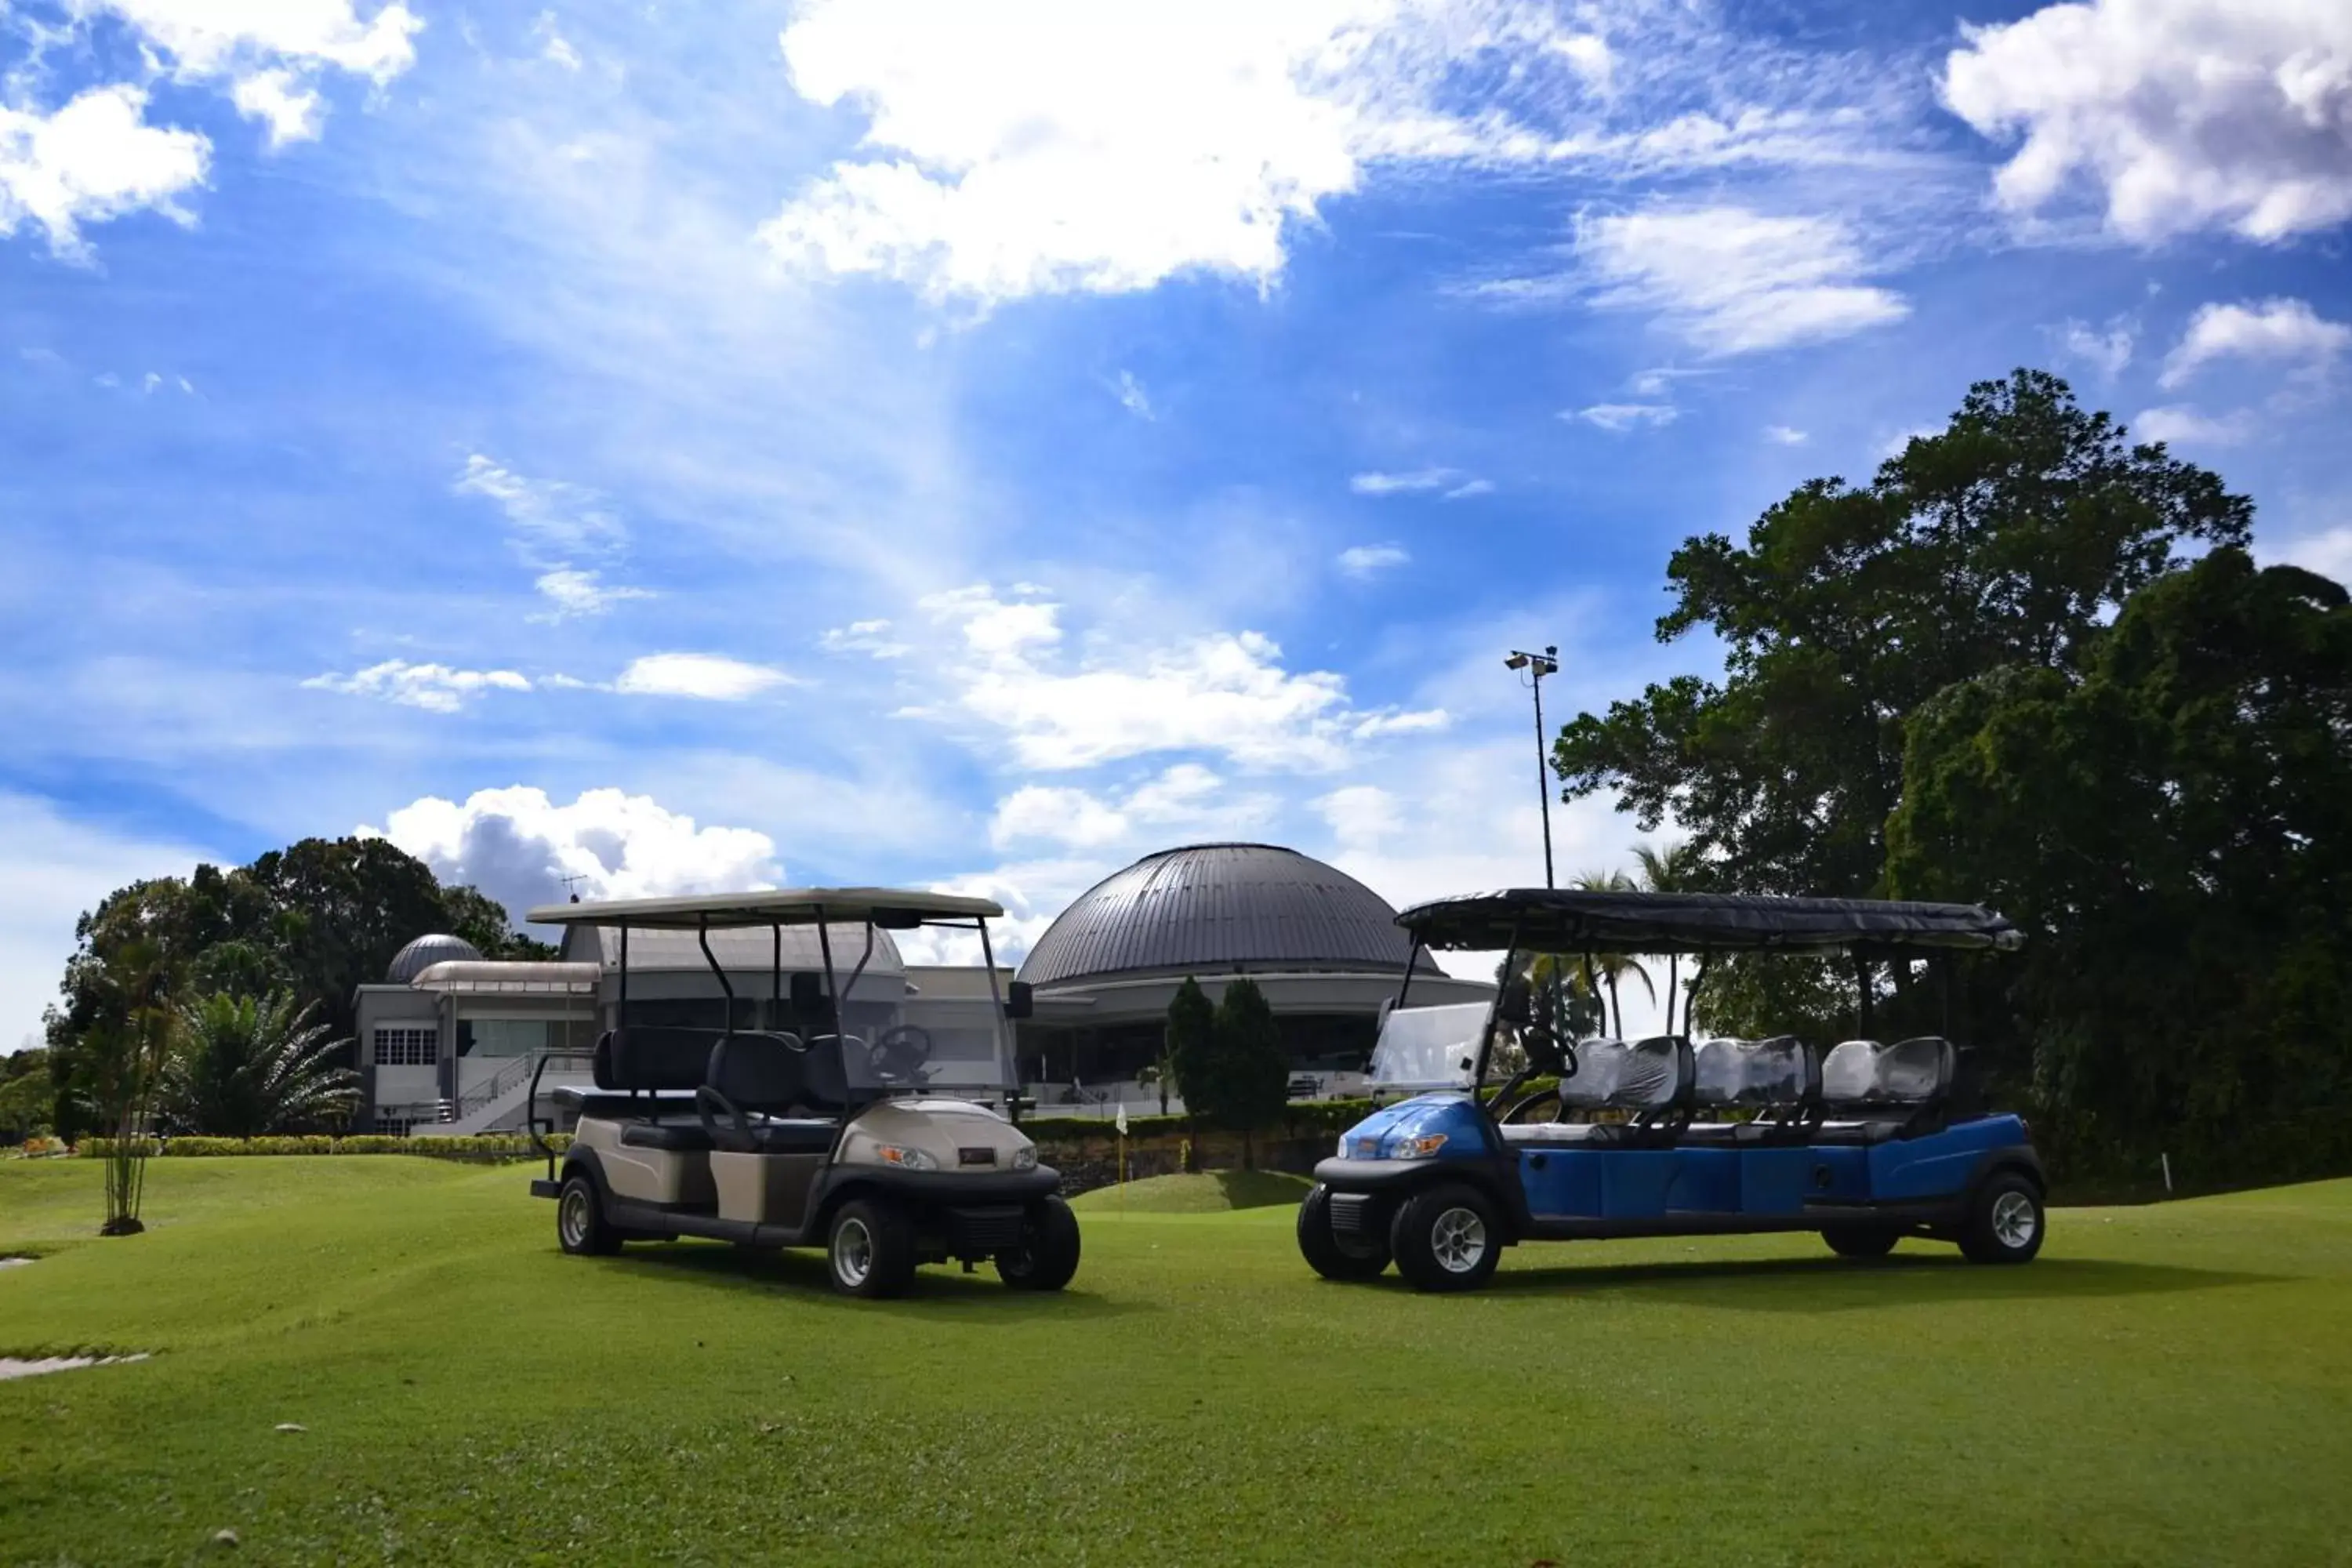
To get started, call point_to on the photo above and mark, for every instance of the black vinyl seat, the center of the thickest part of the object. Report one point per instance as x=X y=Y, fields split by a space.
x=673 y=1137
x=777 y=1079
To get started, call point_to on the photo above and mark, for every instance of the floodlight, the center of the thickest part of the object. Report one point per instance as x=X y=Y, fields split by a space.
x=1516 y=661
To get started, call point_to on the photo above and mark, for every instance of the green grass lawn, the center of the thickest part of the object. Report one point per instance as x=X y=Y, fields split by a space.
x=1204 y=1192
x=2167 y=1384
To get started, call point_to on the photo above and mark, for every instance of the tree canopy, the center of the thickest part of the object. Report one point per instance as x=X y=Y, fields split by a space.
x=2008 y=538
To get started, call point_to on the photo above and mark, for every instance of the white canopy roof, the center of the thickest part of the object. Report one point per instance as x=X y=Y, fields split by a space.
x=889 y=907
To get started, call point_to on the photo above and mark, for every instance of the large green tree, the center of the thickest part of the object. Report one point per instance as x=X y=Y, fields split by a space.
x=2172 y=825
x=2008 y=538
x=316 y=920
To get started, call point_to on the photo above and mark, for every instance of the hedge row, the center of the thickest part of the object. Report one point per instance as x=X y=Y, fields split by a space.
x=488 y=1145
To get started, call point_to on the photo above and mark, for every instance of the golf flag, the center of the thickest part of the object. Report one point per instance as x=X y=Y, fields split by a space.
x=1120 y=1120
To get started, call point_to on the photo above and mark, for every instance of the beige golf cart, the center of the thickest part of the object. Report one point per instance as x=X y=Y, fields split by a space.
x=834 y=1124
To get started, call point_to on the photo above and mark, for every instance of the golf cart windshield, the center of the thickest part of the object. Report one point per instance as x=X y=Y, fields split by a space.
x=882 y=1052
x=1429 y=1048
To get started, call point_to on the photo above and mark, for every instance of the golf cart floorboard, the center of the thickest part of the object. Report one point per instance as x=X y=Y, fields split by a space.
x=1542 y=1228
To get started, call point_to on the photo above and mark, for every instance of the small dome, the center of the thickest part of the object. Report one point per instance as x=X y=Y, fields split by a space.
x=1218 y=908
x=424 y=952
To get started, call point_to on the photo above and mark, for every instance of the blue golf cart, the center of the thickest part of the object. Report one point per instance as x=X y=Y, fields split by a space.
x=1867 y=1143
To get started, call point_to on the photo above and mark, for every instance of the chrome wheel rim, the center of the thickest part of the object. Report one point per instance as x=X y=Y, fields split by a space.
x=853 y=1252
x=1458 y=1240
x=571 y=1218
x=2014 y=1219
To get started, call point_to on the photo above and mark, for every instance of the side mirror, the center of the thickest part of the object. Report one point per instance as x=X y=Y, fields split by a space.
x=1517 y=1005
x=1019 y=1000
x=808 y=992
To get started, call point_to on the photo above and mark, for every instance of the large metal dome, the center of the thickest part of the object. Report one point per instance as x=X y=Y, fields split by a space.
x=1218 y=908
x=424 y=952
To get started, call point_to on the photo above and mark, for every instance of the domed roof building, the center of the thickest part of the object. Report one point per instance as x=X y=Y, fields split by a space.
x=424 y=952
x=1325 y=949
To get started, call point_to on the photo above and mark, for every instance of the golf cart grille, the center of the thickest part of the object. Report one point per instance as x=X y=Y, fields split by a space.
x=981 y=1156
x=1352 y=1214
x=976 y=1231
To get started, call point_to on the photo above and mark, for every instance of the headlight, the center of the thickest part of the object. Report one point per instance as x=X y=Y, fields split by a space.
x=1025 y=1157
x=905 y=1159
x=1418 y=1148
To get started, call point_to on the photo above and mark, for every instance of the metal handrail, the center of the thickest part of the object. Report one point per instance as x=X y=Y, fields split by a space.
x=497 y=1084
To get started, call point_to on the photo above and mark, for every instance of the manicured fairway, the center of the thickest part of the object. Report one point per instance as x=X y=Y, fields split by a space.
x=2168 y=1384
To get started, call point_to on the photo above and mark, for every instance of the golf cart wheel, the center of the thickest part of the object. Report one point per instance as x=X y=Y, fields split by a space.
x=1861 y=1241
x=870 y=1249
x=1331 y=1255
x=2005 y=1221
x=1048 y=1254
x=1446 y=1238
x=580 y=1225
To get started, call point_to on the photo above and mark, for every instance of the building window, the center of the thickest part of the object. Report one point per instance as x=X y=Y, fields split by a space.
x=408 y=1047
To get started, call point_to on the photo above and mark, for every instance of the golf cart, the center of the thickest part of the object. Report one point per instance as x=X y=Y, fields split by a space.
x=834 y=1122
x=1868 y=1143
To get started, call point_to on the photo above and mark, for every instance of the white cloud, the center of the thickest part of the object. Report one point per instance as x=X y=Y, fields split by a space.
x=1785 y=435
x=293 y=113
x=519 y=847
x=571 y=592
x=2327 y=553
x=1452 y=484
x=1360 y=815
x=2184 y=114
x=1732 y=280
x=2276 y=329
x=1225 y=693
x=57 y=869
x=872 y=638
x=555 y=48
x=1132 y=396
x=1414 y=482
x=2107 y=352
x=95 y=158
x=1623 y=416
x=1589 y=53
x=1365 y=561
x=552 y=523
x=1187 y=799
x=2175 y=423
x=436 y=688
x=549 y=513
x=707 y=676
x=216 y=38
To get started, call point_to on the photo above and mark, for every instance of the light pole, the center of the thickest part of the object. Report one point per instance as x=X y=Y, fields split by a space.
x=1537 y=666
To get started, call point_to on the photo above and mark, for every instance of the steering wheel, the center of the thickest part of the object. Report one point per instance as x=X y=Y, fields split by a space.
x=898 y=1053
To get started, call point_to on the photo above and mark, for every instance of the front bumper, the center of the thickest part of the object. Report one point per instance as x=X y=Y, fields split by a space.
x=1372 y=1175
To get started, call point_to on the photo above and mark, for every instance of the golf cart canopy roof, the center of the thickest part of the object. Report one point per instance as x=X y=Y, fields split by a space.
x=891 y=908
x=1569 y=920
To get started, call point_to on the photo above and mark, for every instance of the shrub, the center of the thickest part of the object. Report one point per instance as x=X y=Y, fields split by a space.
x=492 y=1145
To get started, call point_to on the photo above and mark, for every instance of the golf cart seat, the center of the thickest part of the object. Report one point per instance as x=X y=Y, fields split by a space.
x=1883 y=1090
x=781 y=1082
x=646 y=1057
x=1647 y=1077
x=1779 y=1079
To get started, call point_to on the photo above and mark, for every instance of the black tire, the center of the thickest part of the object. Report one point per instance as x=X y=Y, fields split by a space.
x=2006 y=1221
x=581 y=1228
x=1334 y=1257
x=1446 y=1238
x=869 y=1249
x=1048 y=1255
x=1860 y=1239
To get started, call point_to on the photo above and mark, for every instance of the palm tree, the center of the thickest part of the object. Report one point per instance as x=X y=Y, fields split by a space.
x=249 y=1066
x=1679 y=868
x=1611 y=967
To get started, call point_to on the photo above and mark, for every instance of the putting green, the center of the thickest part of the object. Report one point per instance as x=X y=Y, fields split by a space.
x=1204 y=1192
x=2167 y=1384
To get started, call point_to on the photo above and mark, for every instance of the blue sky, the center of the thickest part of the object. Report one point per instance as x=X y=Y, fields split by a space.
x=674 y=446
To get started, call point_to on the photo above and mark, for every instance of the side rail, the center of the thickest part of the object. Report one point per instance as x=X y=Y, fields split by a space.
x=539 y=1126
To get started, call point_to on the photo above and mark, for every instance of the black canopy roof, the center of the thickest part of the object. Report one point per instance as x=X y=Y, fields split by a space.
x=1569 y=920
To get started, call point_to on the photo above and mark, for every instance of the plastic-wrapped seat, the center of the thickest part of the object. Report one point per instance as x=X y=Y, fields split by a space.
x=1880 y=1091
x=1779 y=1079
x=760 y=1088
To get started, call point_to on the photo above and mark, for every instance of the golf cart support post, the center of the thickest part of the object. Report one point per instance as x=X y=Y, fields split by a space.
x=769 y=1136
x=1864 y=1143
